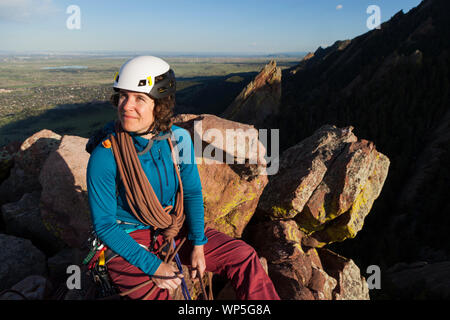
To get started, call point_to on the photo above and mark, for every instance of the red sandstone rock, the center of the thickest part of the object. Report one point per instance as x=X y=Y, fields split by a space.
x=259 y=99
x=230 y=191
x=302 y=169
x=28 y=162
x=64 y=205
x=350 y=284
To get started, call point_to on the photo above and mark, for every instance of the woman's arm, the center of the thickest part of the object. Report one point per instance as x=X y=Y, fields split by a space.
x=101 y=185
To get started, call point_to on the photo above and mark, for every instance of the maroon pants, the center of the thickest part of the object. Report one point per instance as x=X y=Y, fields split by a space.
x=229 y=257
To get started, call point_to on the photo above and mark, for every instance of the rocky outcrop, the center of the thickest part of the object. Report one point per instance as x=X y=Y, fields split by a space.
x=231 y=191
x=28 y=162
x=302 y=272
x=64 y=207
x=302 y=168
x=327 y=183
x=33 y=287
x=259 y=99
x=230 y=139
x=324 y=189
x=322 y=193
x=350 y=284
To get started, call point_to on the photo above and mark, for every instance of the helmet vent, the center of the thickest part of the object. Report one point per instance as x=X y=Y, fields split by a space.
x=142 y=83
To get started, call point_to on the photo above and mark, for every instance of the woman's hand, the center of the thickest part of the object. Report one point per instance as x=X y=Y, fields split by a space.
x=167 y=270
x=197 y=261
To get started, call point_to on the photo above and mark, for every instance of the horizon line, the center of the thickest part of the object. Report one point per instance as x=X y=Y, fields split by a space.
x=133 y=52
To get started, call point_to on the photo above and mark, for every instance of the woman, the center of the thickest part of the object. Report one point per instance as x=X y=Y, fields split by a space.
x=145 y=97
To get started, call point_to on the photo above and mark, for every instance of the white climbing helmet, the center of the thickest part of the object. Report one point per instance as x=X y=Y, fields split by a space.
x=139 y=74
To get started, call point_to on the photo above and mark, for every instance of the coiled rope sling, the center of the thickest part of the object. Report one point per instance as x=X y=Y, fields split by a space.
x=145 y=205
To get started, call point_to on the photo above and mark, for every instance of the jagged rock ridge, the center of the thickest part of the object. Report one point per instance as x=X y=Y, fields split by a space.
x=259 y=99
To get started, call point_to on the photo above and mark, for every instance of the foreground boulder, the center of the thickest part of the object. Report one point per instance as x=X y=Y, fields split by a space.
x=28 y=162
x=226 y=139
x=325 y=187
x=19 y=259
x=297 y=273
x=64 y=206
x=33 y=287
x=431 y=280
x=327 y=183
x=23 y=219
x=302 y=168
x=230 y=191
x=350 y=284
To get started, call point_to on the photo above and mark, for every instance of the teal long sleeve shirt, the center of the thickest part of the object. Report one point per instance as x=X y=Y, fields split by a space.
x=107 y=207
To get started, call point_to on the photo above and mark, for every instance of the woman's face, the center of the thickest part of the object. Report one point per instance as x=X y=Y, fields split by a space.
x=135 y=111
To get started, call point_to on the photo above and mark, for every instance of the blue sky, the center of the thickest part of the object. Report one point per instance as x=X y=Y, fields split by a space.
x=232 y=26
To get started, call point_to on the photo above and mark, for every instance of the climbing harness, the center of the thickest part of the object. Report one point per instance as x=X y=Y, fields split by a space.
x=95 y=262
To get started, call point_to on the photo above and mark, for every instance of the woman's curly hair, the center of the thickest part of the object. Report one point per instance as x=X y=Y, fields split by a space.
x=163 y=111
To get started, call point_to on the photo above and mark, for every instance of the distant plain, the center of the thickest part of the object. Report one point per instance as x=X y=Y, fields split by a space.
x=70 y=94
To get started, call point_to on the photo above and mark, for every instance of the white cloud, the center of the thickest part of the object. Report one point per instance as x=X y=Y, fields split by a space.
x=24 y=10
x=339 y=7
